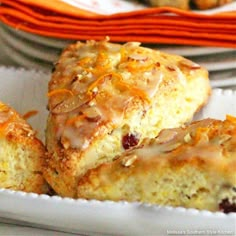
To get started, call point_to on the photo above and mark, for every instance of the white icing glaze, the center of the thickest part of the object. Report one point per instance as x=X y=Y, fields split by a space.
x=108 y=76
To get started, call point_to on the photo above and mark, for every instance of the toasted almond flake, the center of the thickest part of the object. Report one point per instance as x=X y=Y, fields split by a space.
x=79 y=76
x=187 y=138
x=85 y=72
x=29 y=132
x=69 y=105
x=132 y=44
x=171 y=147
x=137 y=57
x=60 y=91
x=101 y=80
x=92 y=103
x=95 y=90
x=166 y=136
x=148 y=141
x=135 y=92
x=128 y=160
x=65 y=142
x=201 y=135
x=92 y=112
x=85 y=144
x=189 y=64
x=181 y=77
x=224 y=138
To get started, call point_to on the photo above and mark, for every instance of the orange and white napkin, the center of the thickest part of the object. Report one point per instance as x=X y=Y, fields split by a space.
x=122 y=21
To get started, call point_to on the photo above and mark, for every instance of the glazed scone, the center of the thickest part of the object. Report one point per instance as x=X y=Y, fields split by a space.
x=21 y=154
x=185 y=4
x=181 y=4
x=192 y=167
x=207 y=4
x=105 y=98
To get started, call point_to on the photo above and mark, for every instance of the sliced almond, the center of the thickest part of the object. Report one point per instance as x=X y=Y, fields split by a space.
x=68 y=105
x=224 y=138
x=129 y=160
x=171 y=147
x=187 y=138
x=92 y=112
x=189 y=64
x=137 y=57
x=166 y=136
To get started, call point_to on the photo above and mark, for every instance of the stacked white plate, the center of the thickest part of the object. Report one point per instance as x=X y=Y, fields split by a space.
x=29 y=50
x=33 y=51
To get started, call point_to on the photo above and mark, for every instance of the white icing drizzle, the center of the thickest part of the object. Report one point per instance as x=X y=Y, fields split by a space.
x=197 y=140
x=107 y=77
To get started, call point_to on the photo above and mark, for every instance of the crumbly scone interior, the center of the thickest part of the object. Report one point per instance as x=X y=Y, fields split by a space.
x=21 y=154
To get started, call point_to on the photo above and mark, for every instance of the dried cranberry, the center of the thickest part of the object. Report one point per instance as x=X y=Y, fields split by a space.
x=158 y=64
x=129 y=141
x=226 y=206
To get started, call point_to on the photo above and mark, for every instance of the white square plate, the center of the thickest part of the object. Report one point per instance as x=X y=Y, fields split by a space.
x=26 y=90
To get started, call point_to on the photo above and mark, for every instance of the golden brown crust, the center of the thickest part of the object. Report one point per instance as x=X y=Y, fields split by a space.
x=181 y=4
x=185 y=4
x=22 y=154
x=193 y=166
x=104 y=98
x=207 y=4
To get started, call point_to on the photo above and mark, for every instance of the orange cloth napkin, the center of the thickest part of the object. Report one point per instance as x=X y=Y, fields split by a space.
x=55 y=18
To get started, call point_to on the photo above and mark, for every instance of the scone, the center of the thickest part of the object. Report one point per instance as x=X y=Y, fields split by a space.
x=207 y=4
x=181 y=4
x=21 y=154
x=105 y=98
x=192 y=167
x=185 y=4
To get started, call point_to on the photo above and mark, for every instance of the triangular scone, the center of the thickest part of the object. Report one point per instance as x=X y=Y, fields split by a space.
x=105 y=98
x=207 y=4
x=193 y=167
x=22 y=155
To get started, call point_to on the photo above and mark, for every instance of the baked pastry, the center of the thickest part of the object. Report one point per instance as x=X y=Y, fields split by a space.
x=207 y=4
x=181 y=4
x=21 y=154
x=185 y=4
x=192 y=167
x=105 y=98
